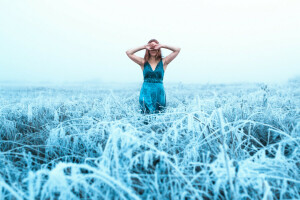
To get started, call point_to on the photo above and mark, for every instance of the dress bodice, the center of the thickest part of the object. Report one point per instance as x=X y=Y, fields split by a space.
x=155 y=76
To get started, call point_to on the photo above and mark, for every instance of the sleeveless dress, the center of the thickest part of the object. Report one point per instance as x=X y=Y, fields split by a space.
x=152 y=95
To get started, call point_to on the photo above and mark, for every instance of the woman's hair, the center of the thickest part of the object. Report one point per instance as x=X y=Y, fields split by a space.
x=147 y=54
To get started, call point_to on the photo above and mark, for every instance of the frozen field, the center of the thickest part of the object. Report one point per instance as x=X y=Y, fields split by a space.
x=238 y=141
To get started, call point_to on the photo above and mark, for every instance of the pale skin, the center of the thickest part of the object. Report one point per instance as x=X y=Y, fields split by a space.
x=153 y=48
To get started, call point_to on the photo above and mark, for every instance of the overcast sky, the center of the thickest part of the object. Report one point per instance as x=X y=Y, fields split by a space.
x=221 y=41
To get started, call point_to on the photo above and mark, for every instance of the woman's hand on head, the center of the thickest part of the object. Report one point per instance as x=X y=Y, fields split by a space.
x=157 y=46
x=148 y=47
x=153 y=46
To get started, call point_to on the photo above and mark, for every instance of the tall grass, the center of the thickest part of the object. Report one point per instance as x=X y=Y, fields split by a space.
x=213 y=142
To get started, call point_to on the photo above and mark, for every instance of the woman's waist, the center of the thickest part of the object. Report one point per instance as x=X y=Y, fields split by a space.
x=149 y=80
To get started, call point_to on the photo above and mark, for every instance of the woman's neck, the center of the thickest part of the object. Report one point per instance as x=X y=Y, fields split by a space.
x=152 y=59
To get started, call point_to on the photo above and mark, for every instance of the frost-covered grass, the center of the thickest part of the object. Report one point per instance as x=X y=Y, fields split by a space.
x=214 y=142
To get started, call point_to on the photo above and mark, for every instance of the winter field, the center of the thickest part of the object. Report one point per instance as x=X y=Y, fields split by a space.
x=238 y=141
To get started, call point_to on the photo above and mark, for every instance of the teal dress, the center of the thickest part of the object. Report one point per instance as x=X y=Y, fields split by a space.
x=152 y=95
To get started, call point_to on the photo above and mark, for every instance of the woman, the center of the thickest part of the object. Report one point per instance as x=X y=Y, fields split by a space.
x=152 y=95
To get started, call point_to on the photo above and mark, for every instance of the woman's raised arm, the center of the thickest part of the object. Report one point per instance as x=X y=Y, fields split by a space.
x=136 y=59
x=172 y=55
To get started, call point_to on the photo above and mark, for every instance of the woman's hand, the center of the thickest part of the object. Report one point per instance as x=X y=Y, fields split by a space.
x=153 y=46
x=148 y=47
x=157 y=46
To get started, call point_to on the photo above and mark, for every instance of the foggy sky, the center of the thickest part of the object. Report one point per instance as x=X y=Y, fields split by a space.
x=221 y=41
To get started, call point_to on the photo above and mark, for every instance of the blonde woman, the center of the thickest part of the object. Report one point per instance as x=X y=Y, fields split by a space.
x=152 y=95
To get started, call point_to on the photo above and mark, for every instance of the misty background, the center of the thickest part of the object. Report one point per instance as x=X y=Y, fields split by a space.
x=221 y=41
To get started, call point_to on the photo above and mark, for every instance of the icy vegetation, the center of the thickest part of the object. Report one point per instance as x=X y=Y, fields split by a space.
x=238 y=141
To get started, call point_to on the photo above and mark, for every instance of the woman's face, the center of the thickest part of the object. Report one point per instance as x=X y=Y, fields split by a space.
x=153 y=52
